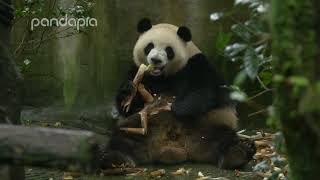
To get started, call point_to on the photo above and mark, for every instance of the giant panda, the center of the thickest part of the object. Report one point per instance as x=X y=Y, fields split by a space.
x=203 y=116
x=181 y=70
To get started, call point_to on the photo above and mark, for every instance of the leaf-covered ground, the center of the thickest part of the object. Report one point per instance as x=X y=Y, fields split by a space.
x=192 y=171
x=268 y=163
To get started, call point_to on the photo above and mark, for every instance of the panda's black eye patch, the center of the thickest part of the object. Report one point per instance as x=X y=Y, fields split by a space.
x=148 y=48
x=170 y=52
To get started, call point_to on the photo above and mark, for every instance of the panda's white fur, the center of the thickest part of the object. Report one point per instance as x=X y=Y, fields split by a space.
x=163 y=35
x=225 y=116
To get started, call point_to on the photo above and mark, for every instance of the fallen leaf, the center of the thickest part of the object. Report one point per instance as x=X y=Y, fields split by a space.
x=158 y=173
x=180 y=172
x=67 y=178
x=73 y=174
x=200 y=174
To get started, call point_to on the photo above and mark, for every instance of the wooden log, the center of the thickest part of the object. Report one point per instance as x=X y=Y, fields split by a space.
x=45 y=147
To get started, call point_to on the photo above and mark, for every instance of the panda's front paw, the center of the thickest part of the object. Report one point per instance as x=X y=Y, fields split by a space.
x=127 y=89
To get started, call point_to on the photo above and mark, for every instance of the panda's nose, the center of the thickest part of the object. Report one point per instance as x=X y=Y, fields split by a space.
x=156 y=61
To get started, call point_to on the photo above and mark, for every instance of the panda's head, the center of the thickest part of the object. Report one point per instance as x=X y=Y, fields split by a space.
x=165 y=46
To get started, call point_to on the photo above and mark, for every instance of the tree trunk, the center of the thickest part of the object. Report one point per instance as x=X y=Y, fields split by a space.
x=10 y=78
x=10 y=81
x=297 y=97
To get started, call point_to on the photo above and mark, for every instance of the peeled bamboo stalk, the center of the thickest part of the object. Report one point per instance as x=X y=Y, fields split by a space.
x=136 y=81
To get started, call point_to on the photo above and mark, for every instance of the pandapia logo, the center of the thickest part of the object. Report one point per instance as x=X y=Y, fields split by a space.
x=64 y=22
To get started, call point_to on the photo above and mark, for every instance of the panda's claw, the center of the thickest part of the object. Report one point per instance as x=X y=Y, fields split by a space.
x=126 y=106
x=126 y=103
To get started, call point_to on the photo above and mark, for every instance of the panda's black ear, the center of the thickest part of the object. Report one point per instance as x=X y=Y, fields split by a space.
x=184 y=33
x=144 y=25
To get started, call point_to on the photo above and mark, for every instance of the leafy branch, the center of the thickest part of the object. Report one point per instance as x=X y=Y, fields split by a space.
x=31 y=41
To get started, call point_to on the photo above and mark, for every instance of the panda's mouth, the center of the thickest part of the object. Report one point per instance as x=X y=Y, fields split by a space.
x=157 y=70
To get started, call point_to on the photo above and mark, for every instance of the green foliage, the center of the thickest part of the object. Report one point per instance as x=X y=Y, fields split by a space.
x=237 y=94
x=299 y=81
x=252 y=44
x=223 y=39
x=310 y=100
x=240 y=78
x=249 y=47
x=28 y=41
x=50 y=8
x=251 y=62
x=296 y=58
x=31 y=8
x=266 y=77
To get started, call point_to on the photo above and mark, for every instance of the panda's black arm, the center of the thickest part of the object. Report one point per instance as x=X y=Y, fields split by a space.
x=203 y=89
x=124 y=91
x=192 y=104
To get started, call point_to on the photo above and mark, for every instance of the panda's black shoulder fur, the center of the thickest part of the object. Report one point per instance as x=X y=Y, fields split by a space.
x=203 y=88
x=198 y=88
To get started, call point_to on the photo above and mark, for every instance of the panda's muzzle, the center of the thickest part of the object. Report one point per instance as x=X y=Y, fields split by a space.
x=157 y=71
x=157 y=68
x=156 y=61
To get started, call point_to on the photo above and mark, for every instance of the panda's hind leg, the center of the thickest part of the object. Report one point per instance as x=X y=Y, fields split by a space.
x=238 y=154
x=219 y=145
